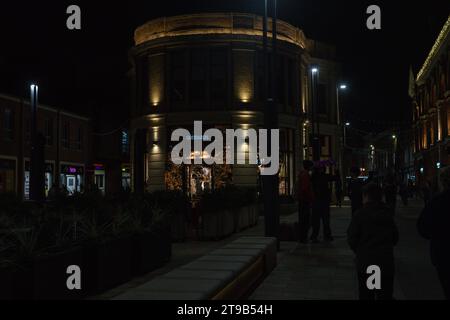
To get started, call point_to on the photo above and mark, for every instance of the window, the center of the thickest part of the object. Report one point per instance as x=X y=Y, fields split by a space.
x=66 y=135
x=198 y=75
x=218 y=75
x=8 y=124
x=281 y=81
x=48 y=131
x=79 y=143
x=178 y=76
x=292 y=85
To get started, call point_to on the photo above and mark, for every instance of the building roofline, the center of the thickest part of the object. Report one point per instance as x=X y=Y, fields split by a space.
x=43 y=107
x=215 y=23
x=442 y=38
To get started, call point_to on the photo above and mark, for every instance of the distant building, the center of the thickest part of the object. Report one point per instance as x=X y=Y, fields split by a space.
x=73 y=168
x=91 y=153
x=431 y=111
x=210 y=67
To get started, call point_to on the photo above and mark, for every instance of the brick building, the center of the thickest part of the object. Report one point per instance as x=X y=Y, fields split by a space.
x=431 y=111
x=66 y=134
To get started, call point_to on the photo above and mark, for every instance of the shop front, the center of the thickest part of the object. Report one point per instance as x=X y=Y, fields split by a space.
x=49 y=178
x=72 y=178
x=8 y=173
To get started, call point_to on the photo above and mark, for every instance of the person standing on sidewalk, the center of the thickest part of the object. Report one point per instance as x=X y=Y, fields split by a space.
x=372 y=235
x=355 y=189
x=338 y=189
x=321 y=204
x=390 y=192
x=305 y=199
x=434 y=225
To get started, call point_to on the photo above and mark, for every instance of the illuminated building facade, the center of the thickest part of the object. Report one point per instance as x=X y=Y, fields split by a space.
x=210 y=67
x=431 y=111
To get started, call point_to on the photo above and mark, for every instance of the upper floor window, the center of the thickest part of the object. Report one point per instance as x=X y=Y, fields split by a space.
x=48 y=131
x=66 y=135
x=79 y=141
x=8 y=124
x=218 y=75
x=198 y=75
x=178 y=76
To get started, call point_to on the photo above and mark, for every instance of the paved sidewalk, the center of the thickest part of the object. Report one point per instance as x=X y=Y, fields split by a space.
x=314 y=271
x=182 y=253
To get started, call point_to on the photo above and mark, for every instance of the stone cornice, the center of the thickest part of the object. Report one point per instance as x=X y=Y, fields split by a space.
x=438 y=45
x=215 y=23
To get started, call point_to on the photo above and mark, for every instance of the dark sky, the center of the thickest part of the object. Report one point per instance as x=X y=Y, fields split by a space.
x=86 y=70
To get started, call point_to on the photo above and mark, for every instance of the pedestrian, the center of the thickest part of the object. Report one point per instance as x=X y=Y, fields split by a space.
x=321 y=204
x=338 y=188
x=404 y=194
x=355 y=189
x=390 y=192
x=426 y=192
x=372 y=235
x=434 y=225
x=305 y=199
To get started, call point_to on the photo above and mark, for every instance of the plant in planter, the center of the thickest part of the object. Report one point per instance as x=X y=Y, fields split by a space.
x=218 y=220
x=175 y=205
x=150 y=248
x=6 y=269
x=59 y=232
x=106 y=248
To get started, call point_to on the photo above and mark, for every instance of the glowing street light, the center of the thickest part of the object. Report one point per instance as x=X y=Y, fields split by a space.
x=343 y=86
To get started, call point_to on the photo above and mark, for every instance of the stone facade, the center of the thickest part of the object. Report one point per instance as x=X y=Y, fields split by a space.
x=210 y=67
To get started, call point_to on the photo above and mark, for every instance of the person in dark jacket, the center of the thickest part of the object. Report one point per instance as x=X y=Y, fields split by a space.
x=372 y=235
x=355 y=189
x=321 y=204
x=434 y=225
x=390 y=192
x=338 y=188
x=305 y=199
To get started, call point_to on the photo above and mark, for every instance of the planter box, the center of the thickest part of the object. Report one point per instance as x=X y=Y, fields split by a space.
x=107 y=265
x=244 y=217
x=6 y=282
x=50 y=277
x=217 y=225
x=150 y=251
x=254 y=214
x=178 y=227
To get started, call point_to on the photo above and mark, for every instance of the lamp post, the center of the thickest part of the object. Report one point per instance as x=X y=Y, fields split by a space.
x=270 y=183
x=339 y=125
x=37 y=182
x=314 y=121
x=394 y=137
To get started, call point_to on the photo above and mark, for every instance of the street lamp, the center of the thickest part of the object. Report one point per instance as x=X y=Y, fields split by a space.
x=394 y=137
x=338 y=122
x=315 y=135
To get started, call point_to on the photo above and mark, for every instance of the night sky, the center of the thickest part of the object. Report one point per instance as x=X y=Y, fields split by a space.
x=86 y=70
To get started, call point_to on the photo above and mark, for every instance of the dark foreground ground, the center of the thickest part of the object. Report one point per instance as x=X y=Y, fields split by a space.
x=325 y=270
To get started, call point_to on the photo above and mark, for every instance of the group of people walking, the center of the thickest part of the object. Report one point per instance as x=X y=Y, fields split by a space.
x=372 y=233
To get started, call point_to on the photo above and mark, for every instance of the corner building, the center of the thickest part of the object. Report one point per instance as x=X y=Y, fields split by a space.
x=210 y=67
